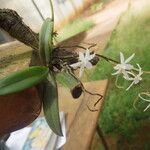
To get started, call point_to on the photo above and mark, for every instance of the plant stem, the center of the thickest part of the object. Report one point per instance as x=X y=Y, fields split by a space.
x=52 y=10
x=100 y=133
x=38 y=9
x=107 y=59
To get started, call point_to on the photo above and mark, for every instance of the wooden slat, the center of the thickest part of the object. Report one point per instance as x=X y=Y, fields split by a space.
x=14 y=56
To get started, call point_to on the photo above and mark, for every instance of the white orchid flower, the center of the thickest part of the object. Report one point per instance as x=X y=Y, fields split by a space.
x=136 y=78
x=84 y=61
x=123 y=67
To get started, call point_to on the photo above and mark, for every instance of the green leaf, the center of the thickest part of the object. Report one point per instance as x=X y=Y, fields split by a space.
x=69 y=81
x=21 y=80
x=46 y=41
x=50 y=104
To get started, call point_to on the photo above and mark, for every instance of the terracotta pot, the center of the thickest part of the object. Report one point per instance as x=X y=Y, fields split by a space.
x=18 y=110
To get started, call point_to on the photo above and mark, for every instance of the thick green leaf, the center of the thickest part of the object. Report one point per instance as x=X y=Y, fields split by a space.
x=50 y=104
x=46 y=41
x=70 y=82
x=21 y=80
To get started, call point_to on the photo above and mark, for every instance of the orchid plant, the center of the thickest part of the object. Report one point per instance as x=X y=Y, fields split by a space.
x=53 y=69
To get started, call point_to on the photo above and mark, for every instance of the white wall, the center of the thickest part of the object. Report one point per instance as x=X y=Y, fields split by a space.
x=30 y=15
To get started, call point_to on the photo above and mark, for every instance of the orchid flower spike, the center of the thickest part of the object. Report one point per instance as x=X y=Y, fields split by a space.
x=123 y=67
x=136 y=78
x=84 y=61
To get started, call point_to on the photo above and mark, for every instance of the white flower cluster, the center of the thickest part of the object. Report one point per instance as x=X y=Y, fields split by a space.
x=84 y=62
x=127 y=70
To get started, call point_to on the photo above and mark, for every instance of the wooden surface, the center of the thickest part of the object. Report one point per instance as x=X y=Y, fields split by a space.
x=14 y=56
x=81 y=122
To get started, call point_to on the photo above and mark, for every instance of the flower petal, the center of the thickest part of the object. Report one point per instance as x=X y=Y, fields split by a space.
x=117 y=67
x=76 y=65
x=81 y=56
x=137 y=80
x=140 y=70
x=87 y=53
x=129 y=66
x=81 y=71
x=121 y=58
x=147 y=107
x=144 y=99
x=126 y=76
x=132 y=74
x=130 y=86
x=115 y=73
x=88 y=65
x=129 y=59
